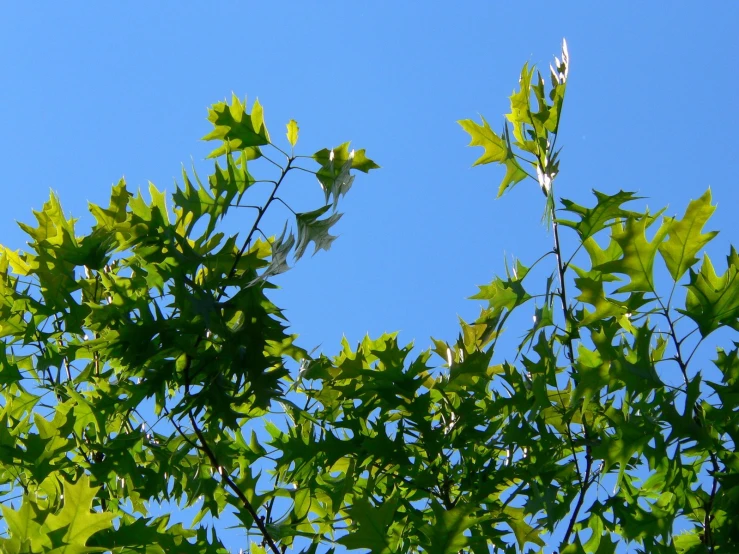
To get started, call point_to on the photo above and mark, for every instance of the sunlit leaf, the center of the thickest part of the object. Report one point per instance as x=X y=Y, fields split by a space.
x=447 y=534
x=75 y=518
x=686 y=238
x=606 y=211
x=638 y=253
x=713 y=300
x=238 y=129
x=292 y=132
x=496 y=150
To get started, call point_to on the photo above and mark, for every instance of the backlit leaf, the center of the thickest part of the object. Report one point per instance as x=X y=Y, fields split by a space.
x=313 y=229
x=713 y=300
x=638 y=253
x=372 y=526
x=238 y=129
x=606 y=210
x=685 y=238
x=292 y=132
x=75 y=518
x=496 y=150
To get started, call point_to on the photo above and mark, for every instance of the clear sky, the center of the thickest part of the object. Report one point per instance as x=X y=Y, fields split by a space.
x=94 y=92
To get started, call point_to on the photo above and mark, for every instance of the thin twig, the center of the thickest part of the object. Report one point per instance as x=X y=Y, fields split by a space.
x=708 y=534
x=581 y=497
x=233 y=486
x=204 y=447
x=239 y=255
x=570 y=354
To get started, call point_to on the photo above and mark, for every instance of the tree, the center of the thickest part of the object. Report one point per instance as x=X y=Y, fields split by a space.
x=144 y=363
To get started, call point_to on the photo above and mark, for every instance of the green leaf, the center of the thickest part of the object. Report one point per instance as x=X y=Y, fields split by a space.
x=116 y=214
x=506 y=294
x=574 y=547
x=592 y=292
x=156 y=536
x=75 y=518
x=523 y=531
x=728 y=364
x=334 y=174
x=520 y=114
x=713 y=301
x=496 y=150
x=25 y=526
x=292 y=132
x=238 y=129
x=592 y=220
x=689 y=542
x=53 y=227
x=372 y=526
x=313 y=229
x=302 y=503
x=447 y=533
x=638 y=253
x=685 y=237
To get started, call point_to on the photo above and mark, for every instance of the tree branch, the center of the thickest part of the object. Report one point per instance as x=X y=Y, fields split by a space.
x=570 y=354
x=585 y=485
x=203 y=447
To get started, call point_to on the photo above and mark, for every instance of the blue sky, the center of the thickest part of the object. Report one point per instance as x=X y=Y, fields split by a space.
x=94 y=93
x=91 y=94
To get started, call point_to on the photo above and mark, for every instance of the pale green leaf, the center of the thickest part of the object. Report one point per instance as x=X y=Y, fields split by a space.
x=523 y=531
x=313 y=229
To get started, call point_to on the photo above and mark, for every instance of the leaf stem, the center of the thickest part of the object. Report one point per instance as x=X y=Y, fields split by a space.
x=274 y=162
x=285 y=204
x=305 y=169
x=273 y=145
x=678 y=354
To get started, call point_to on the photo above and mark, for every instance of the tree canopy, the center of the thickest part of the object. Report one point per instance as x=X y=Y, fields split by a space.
x=145 y=364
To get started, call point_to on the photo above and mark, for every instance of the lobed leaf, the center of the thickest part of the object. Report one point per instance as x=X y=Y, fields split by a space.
x=496 y=150
x=713 y=301
x=685 y=236
x=238 y=129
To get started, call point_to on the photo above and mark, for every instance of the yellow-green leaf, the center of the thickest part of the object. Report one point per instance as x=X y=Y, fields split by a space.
x=75 y=516
x=496 y=150
x=292 y=132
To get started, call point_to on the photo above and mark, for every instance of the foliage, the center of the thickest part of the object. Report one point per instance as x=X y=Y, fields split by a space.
x=144 y=364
